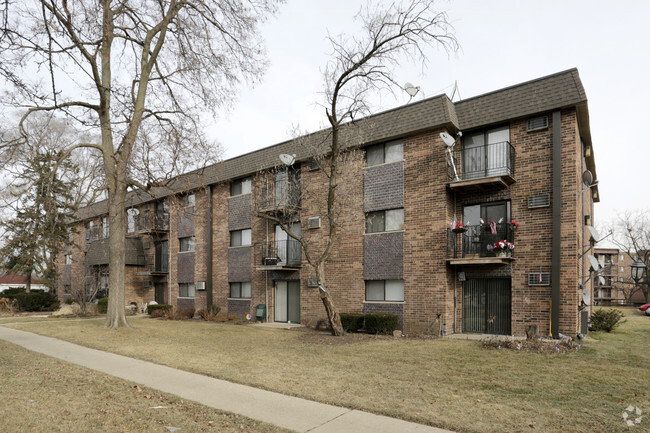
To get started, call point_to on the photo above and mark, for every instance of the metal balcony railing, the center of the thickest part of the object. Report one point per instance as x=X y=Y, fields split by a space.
x=152 y=221
x=476 y=240
x=287 y=252
x=476 y=162
x=153 y=266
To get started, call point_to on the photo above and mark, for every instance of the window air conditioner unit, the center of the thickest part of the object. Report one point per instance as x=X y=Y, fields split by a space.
x=313 y=222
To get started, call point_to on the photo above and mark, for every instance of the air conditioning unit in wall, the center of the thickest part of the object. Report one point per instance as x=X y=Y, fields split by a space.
x=312 y=282
x=200 y=285
x=313 y=222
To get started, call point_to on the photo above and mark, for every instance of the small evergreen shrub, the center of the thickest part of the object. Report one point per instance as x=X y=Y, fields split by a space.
x=37 y=300
x=154 y=307
x=381 y=323
x=102 y=305
x=352 y=322
x=12 y=292
x=606 y=319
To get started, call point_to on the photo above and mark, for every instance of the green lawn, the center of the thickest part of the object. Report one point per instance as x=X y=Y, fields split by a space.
x=453 y=384
x=43 y=394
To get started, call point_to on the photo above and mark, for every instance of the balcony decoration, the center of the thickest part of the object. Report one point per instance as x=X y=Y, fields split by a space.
x=514 y=225
x=459 y=228
x=491 y=226
x=502 y=248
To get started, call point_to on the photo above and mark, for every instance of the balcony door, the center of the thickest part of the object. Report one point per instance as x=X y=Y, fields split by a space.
x=288 y=249
x=161 y=263
x=476 y=240
x=486 y=153
x=287 y=301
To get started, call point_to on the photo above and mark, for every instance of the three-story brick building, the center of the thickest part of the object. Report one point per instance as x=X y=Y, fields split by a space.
x=521 y=157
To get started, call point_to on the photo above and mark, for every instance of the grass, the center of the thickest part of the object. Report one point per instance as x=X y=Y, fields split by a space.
x=42 y=394
x=453 y=384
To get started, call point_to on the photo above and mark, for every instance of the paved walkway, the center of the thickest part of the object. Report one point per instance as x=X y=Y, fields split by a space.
x=289 y=412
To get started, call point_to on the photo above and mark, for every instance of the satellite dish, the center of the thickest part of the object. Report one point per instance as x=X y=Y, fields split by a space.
x=587 y=178
x=593 y=262
x=586 y=298
x=411 y=89
x=133 y=212
x=595 y=236
x=287 y=159
x=448 y=139
x=601 y=280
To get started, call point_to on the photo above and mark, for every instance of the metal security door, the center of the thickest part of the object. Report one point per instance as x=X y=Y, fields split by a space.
x=486 y=305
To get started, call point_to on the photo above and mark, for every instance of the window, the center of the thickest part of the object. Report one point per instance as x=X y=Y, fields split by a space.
x=486 y=153
x=105 y=228
x=186 y=290
x=622 y=269
x=240 y=238
x=622 y=257
x=68 y=259
x=385 y=152
x=385 y=221
x=240 y=186
x=187 y=244
x=240 y=290
x=188 y=200
x=385 y=290
x=621 y=279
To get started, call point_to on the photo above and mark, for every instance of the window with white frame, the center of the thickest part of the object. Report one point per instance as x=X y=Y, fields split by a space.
x=68 y=259
x=186 y=290
x=384 y=153
x=622 y=257
x=240 y=238
x=622 y=269
x=105 y=228
x=188 y=200
x=240 y=186
x=385 y=290
x=385 y=221
x=240 y=290
x=186 y=244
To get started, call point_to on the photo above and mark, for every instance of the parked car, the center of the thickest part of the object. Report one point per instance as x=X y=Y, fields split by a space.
x=644 y=307
x=647 y=312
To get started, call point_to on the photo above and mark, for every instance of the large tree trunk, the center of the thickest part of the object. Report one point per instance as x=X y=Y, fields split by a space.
x=115 y=317
x=332 y=313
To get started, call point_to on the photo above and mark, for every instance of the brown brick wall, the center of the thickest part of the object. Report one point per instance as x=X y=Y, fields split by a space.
x=383 y=256
x=239 y=212
x=383 y=187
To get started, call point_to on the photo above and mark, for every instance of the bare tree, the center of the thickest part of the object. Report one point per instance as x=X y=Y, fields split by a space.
x=631 y=231
x=359 y=67
x=137 y=72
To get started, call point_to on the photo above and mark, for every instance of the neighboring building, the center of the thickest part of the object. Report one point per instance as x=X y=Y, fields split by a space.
x=614 y=274
x=521 y=157
x=14 y=280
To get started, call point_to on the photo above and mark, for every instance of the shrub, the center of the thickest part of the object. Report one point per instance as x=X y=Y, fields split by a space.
x=13 y=292
x=102 y=305
x=381 y=323
x=352 y=322
x=606 y=319
x=209 y=314
x=160 y=312
x=154 y=307
x=232 y=317
x=37 y=300
x=186 y=313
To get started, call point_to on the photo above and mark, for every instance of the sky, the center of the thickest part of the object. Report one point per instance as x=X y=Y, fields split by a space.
x=502 y=43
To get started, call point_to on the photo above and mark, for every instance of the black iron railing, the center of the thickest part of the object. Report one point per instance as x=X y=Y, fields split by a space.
x=287 y=252
x=476 y=162
x=148 y=221
x=478 y=241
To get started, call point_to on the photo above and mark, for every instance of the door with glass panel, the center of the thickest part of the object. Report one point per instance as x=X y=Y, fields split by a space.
x=486 y=153
x=287 y=301
x=288 y=249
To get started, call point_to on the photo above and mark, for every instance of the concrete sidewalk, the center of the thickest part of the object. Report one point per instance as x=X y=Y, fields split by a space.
x=289 y=412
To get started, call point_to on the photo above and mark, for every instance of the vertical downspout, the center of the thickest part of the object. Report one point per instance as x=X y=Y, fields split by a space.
x=208 y=280
x=557 y=223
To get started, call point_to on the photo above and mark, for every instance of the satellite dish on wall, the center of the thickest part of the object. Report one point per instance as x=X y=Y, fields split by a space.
x=586 y=298
x=595 y=236
x=411 y=89
x=448 y=139
x=601 y=280
x=587 y=178
x=287 y=159
x=132 y=212
x=593 y=262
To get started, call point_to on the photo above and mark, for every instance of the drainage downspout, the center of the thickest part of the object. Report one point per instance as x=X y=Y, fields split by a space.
x=208 y=280
x=557 y=223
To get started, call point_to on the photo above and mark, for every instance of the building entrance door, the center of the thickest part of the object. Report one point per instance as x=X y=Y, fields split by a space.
x=287 y=301
x=486 y=305
x=159 y=293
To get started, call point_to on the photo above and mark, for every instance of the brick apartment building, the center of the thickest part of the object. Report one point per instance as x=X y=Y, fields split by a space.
x=521 y=158
x=614 y=278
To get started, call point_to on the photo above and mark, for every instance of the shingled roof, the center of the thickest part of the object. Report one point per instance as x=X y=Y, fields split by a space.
x=557 y=91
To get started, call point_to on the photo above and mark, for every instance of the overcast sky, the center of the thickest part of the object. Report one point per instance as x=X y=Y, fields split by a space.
x=503 y=43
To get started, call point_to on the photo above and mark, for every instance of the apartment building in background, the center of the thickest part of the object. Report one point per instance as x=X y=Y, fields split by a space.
x=521 y=157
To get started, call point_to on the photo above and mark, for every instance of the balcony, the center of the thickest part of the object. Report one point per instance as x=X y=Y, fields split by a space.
x=472 y=247
x=153 y=265
x=94 y=234
x=482 y=168
x=152 y=222
x=278 y=255
x=278 y=197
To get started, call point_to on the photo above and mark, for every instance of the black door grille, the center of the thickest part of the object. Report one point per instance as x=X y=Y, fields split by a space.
x=486 y=305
